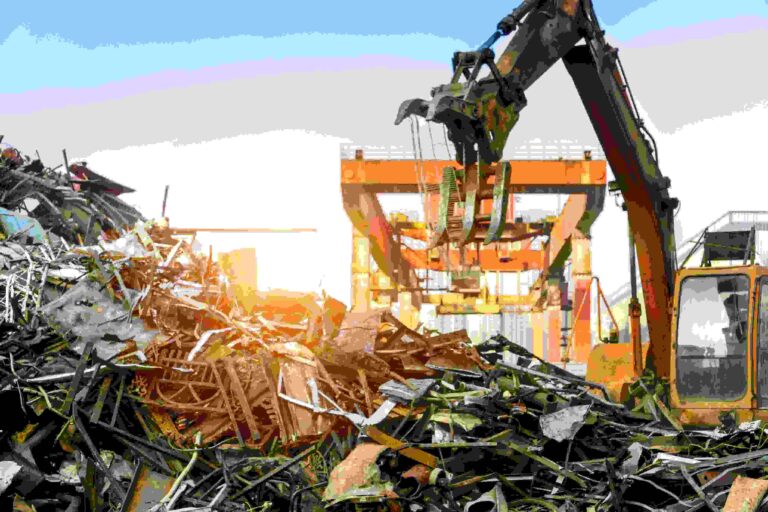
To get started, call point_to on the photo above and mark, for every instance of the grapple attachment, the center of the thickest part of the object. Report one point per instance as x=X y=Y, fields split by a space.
x=465 y=215
x=478 y=113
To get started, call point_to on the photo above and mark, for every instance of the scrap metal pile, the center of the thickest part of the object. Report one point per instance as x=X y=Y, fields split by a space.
x=525 y=435
x=134 y=377
x=76 y=204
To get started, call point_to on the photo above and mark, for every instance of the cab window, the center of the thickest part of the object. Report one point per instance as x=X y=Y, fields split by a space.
x=712 y=334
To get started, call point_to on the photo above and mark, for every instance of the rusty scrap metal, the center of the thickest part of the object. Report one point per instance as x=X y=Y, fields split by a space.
x=525 y=435
x=134 y=381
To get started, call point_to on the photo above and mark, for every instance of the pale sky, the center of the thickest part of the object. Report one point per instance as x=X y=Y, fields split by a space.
x=244 y=118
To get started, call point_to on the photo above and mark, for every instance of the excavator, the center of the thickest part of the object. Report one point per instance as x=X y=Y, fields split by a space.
x=707 y=325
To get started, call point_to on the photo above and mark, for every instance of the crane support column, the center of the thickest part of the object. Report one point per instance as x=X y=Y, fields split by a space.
x=538 y=328
x=361 y=271
x=581 y=275
x=554 y=318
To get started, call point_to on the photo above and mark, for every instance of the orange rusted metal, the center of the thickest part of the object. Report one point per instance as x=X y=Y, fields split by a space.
x=415 y=454
x=611 y=364
x=515 y=232
x=570 y=6
x=231 y=393
x=581 y=278
x=147 y=489
x=368 y=218
x=745 y=495
x=580 y=333
x=358 y=477
x=584 y=181
x=401 y=176
x=489 y=260
x=699 y=411
x=564 y=231
x=539 y=328
x=582 y=297
x=419 y=473
x=554 y=332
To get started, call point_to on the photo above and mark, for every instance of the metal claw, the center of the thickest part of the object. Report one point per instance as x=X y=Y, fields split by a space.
x=408 y=108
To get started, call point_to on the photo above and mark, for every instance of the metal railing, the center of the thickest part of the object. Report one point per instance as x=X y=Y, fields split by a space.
x=735 y=220
x=532 y=150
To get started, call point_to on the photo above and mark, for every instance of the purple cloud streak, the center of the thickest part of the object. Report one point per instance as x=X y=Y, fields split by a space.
x=706 y=30
x=42 y=99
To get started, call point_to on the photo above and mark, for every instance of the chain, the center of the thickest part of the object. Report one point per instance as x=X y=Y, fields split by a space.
x=431 y=140
x=419 y=166
x=447 y=146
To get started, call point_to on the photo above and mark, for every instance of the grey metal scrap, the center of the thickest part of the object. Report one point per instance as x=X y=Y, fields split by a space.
x=565 y=423
x=403 y=394
x=491 y=501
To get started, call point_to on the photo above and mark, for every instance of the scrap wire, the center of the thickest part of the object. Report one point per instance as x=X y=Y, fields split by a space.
x=178 y=292
x=301 y=456
x=95 y=457
x=177 y=488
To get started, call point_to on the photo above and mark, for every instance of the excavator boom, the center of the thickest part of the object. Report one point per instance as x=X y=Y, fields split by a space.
x=479 y=114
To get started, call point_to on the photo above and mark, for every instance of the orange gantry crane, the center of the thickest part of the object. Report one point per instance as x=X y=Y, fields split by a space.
x=387 y=269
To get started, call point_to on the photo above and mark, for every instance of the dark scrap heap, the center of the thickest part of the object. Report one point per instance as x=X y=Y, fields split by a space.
x=135 y=378
x=76 y=204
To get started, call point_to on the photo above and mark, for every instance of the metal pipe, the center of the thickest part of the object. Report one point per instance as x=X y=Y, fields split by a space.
x=66 y=162
x=165 y=200
x=267 y=231
x=606 y=303
x=634 y=312
x=491 y=40
x=632 y=267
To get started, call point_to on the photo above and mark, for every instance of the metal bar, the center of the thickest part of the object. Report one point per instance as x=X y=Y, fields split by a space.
x=192 y=231
x=79 y=372
x=99 y=406
x=567 y=176
x=166 y=451
x=240 y=395
x=607 y=305
x=66 y=162
x=165 y=200
x=228 y=405
x=95 y=453
x=632 y=267
x=306 y=453
x=749 y=253
x=117 y=401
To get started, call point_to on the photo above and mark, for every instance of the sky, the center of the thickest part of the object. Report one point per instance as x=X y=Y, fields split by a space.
x=78 y=44
x=229 y=102
x=93 y=24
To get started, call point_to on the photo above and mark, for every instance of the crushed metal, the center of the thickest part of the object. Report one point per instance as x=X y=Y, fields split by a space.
x=135 y=378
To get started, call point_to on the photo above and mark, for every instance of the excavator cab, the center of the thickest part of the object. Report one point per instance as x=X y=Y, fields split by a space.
x=719 y=335
x=720 y=344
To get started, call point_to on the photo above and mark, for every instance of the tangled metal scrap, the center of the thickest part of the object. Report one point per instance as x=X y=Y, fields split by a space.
x=76 y=204
x=135 y=378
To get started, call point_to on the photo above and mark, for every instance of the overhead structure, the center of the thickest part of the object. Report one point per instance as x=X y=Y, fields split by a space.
x=395 y=258
x=707 y=340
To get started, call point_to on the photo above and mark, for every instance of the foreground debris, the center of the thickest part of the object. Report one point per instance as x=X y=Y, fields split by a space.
x=135 y=376
x=525 y=435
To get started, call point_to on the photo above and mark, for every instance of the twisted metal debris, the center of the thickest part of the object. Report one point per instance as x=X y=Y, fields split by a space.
x=135 y=378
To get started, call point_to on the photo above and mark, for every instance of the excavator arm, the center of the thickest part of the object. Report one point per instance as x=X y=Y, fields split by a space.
x=479 y=113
